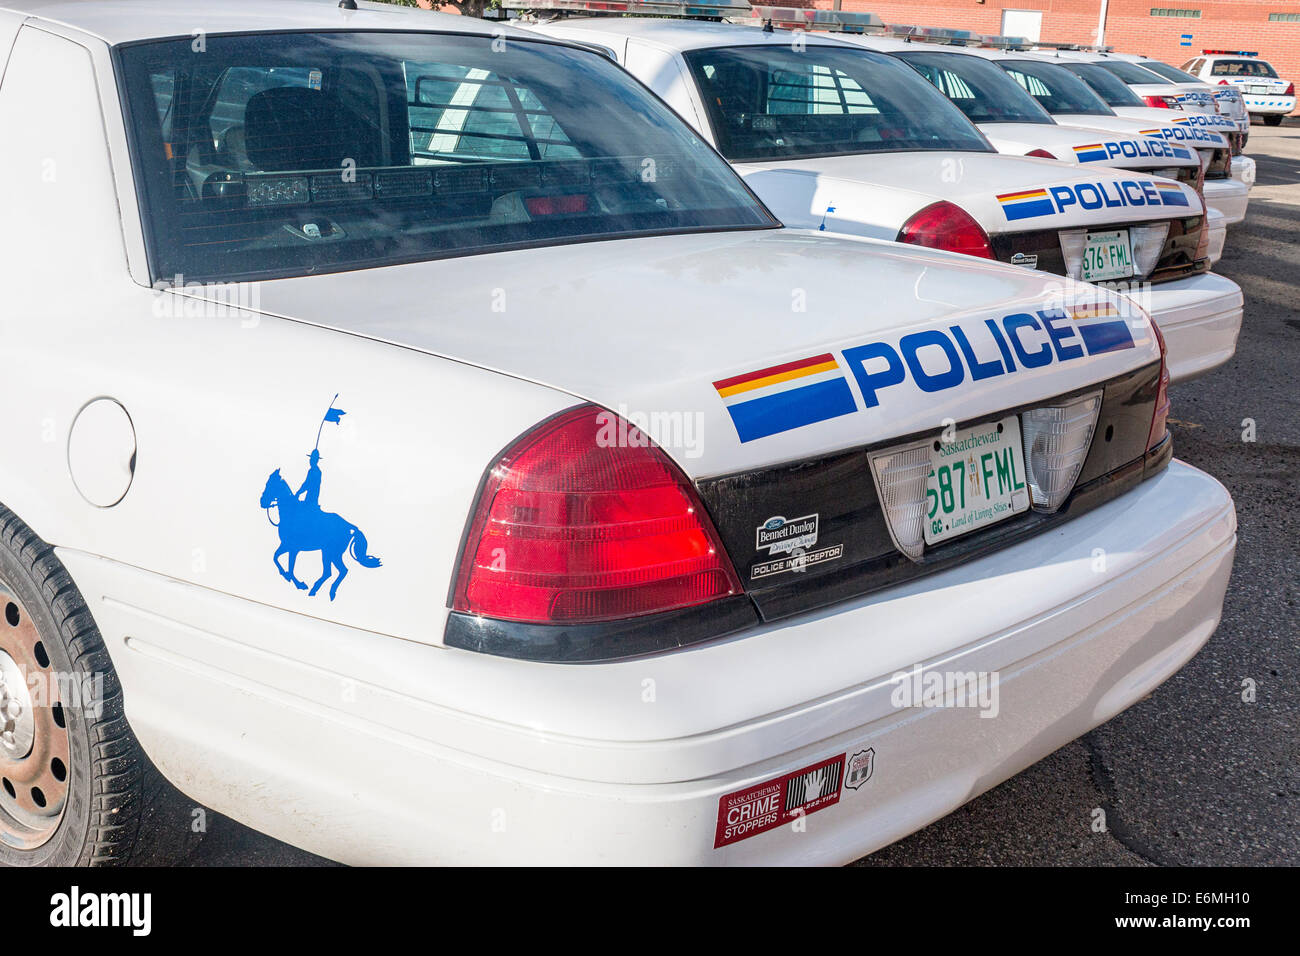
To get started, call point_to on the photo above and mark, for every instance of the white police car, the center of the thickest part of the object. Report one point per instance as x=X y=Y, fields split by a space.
x=469 y=380
x=841 y=139
x=1264 y=92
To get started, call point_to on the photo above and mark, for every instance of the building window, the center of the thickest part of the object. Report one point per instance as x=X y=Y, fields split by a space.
x=1175 y=12
x=1284 y=17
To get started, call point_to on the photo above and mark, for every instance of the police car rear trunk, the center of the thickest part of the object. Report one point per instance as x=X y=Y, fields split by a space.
x=812 y=444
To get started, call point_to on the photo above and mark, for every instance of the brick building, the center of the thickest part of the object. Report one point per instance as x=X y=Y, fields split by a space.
x=1271 y=27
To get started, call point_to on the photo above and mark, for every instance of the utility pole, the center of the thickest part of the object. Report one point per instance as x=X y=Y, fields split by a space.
x=1101 y=23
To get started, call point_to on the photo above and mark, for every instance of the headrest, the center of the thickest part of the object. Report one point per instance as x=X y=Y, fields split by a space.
x=290 y=127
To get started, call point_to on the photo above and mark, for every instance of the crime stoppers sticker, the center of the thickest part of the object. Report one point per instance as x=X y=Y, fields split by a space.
x=762 y=806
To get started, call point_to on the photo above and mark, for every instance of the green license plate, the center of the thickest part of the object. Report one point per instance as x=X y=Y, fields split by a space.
x=1107 y=255
x=976 y=480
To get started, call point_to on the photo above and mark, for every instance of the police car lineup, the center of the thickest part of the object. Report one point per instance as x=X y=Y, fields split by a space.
x=1072 y=102
x=1219 y=109
x=1125 y=103
x=841 y=139
x=428 y=464
x=1014 y=121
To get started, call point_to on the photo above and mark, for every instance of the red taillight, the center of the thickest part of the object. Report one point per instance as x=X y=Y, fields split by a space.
x=585 y=519
x=1040 y=153
x=1157 y=101
x=555 y=205
x=1160 y=418
x=1223 y=82
x=1290 y=90
x=1203 y=240
x=943 y=225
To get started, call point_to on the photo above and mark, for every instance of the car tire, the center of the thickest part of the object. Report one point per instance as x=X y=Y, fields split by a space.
x=74 y=783
x=1273 y=119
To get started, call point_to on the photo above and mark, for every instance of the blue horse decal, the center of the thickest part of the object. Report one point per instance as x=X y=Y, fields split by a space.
x=305 y=526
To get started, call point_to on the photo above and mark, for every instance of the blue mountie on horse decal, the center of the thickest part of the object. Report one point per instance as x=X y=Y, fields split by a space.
x=304 y=526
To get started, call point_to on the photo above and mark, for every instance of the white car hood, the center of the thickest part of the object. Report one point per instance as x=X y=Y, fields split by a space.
x=1090 y=147
x=1185 y=134
x=646 y=327
x=873 y=194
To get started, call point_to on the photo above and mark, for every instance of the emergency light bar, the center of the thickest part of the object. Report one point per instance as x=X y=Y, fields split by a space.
x=831 y=21
x=1081 y=47
x=935 y=35
x=714 y=9
x=1230 y=53
x=1007 y=43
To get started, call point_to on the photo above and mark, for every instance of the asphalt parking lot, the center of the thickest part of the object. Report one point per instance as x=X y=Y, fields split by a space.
x=1194 y=774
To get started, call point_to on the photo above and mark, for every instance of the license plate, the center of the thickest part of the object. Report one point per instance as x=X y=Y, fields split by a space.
x=1260 y=89
x=975 y=480
x=1107 y=255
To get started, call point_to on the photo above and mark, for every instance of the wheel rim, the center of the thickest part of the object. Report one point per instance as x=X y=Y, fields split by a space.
x=35 y=764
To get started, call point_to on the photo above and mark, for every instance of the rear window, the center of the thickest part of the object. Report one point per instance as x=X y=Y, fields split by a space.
x=1131 y=73
x=1170 y=73
x=287 y=154
x=981 y=90
x=1056 y=88
x=1113 y=91
x=1242 y=68
x=775 y=102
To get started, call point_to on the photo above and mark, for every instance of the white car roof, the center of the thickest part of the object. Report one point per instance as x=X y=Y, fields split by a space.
x=1211 y=57
x=671 y=34
x=883 y=44
x=124 y=21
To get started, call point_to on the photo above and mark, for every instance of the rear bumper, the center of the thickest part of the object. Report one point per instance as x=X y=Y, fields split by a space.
x=1269 y=105
x=1230 y=197
x=1243 y=170
x=1217 y=224
x=1199 y=317
x=372 y=750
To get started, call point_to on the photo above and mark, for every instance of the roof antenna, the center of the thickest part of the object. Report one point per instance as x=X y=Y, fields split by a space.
x=767 y=26
x=347 y=4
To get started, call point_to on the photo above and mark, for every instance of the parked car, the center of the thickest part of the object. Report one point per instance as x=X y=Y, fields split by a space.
x=423 y=448
x=1266 y=94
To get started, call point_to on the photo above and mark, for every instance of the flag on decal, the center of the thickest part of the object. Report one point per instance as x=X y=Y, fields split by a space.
x=783 y=397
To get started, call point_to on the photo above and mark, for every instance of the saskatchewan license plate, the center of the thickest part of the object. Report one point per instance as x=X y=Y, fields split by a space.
x=976 y=480
x=1262 y=90
x=1107 y=255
